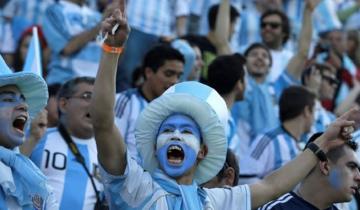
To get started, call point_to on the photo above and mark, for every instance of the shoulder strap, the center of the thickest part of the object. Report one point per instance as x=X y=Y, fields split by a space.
x=74 y=149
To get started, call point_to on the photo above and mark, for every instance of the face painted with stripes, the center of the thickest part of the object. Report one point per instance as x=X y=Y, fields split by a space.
x=178 y=143
x=13 y=116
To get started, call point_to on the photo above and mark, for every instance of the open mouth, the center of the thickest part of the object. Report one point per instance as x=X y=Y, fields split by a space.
x=175 y=155
x=19 y=123
x=88 y=115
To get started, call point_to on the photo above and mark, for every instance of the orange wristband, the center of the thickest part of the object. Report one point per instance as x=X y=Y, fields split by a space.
x=110 y=49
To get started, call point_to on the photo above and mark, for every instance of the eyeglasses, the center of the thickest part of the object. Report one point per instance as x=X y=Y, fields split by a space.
x=272 y=25
x=331 y=80
x=85 y=96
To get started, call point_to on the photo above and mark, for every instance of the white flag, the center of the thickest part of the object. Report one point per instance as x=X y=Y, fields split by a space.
x=33 y=57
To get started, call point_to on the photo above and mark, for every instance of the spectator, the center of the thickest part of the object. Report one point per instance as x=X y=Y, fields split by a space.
x=275 y=32
x=18 y=15
x=22 y=185
x=259 y=107
x=226 y=75
x=333 y=46
x=278 y=146
x=221 y=19
x=162 y=67
x=150 y=21
x=321 y=80
x=334 y=180
x=247 y=31
x=228 y=176
x=23 y=46
x=188 y=125
x=67 y=154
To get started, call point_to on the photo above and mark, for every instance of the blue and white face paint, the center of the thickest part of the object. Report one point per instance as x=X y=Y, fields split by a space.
x=335 y=179
x=12 y=119
x=177 y=145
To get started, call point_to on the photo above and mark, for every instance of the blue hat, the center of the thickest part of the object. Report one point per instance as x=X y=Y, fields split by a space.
x=201 y=103
x=31 y=85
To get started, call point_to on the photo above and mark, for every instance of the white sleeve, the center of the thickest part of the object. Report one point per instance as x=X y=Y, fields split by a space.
x=131 y=189
x=229 y=198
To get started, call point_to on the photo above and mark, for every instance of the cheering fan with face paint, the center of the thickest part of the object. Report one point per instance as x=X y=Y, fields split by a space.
x=22 y=185
x=181 y=140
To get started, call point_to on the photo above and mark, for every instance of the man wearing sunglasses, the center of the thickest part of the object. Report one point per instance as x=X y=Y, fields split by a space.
x=67 y=154
x=275 y=32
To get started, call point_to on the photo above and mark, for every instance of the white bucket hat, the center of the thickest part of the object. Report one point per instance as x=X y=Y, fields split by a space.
x=201 y=103
x=32 y=86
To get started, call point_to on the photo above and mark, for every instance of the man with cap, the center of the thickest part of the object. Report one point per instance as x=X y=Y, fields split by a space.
x=22 y=185
x=182 y=140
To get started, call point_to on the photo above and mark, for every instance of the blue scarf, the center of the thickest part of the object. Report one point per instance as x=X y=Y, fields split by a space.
x=188 y=197
x=263 y=112
x=21 y=179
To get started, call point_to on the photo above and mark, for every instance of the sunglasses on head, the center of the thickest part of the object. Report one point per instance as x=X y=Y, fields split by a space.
x=271 y=24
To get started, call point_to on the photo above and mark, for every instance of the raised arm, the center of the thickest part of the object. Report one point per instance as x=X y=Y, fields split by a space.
x=297 y=63
x=285 y=179
x=110 y=144
x=350 y=99
x=78 y=41
x=222 y=29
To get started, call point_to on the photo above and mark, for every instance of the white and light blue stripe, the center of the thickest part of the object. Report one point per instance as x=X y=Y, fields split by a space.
x=156 y=17
x=63 y=21
x=128 y=106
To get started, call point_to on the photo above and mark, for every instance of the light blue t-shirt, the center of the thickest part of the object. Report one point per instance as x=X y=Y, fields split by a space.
x=62 y=22
x=128 y=106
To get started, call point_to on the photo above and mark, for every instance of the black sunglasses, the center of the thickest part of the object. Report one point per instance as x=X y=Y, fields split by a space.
x=331 y=80
x=271 y=24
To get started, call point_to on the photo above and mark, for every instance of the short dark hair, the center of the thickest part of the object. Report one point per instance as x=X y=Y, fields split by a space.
x=213 y=12
x=258 y=45
x=285 y=23
x=157 y=56
x=54 y=89
x=231 y=161
x=337 y=152
x=69 y=87
x=225 y=71
x=293 y=101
